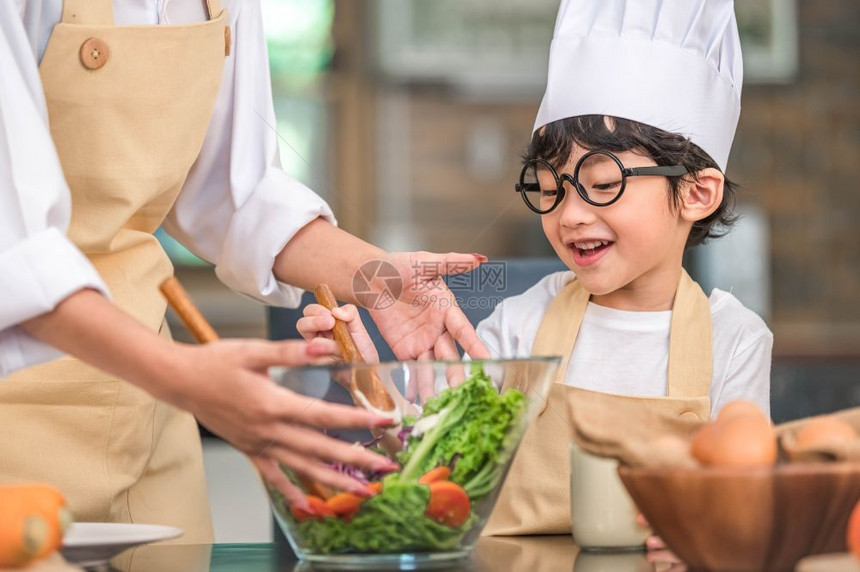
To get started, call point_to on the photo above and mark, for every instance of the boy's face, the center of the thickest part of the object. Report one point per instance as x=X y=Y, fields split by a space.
x=633 y=244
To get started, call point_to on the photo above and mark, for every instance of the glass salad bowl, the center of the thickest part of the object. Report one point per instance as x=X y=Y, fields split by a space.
x=454 y=445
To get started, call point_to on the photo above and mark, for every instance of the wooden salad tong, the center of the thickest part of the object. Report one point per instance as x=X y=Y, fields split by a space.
x=180 y=302
x=365 y=387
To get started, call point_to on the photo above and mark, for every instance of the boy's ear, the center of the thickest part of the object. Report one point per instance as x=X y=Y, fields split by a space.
x=703 y=195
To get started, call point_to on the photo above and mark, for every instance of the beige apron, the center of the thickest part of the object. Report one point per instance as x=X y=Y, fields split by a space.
x=535 y=498
x=128 y=107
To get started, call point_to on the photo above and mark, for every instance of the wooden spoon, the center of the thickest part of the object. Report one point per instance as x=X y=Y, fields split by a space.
x=364 y=384
x=180 y=302
x=365 y=387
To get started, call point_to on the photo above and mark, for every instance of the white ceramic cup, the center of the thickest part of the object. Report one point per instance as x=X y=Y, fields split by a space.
x=602 y=514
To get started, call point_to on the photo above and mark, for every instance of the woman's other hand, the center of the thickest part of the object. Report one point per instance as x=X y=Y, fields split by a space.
x=423 y=322
x=427 y=322
x=225 y=384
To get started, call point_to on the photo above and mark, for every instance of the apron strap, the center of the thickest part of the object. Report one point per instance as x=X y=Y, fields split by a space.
x=88 y=12
x=100 y=12
x=560 y=325
x=691 y=359
x=690 y=349
x=559 y=328
x=214 y=7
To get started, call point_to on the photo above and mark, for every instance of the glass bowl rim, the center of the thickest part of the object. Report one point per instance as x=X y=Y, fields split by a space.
x=346 y=366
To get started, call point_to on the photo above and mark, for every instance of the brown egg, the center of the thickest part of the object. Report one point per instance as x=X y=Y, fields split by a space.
x=703 y=443
x=739 y=407
x=824 y=431
x=742 y=441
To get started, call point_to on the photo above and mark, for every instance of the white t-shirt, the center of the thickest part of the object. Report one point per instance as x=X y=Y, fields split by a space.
x=627 y=353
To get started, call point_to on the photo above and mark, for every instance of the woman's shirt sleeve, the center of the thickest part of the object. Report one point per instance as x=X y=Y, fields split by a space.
x=239 y=208
x=39 y=266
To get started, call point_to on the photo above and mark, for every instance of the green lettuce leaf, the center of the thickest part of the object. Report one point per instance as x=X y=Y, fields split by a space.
x=475 y=424
x=392 y=521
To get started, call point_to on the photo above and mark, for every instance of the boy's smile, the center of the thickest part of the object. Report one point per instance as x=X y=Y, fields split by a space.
x=627 y=254
x=588 y=251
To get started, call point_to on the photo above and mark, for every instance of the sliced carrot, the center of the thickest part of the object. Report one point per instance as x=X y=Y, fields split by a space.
x=433 y=475
x=318 y=509
x=449 y=504
x=375 y=487
x=50 y=505
x=22 y=536
x=345 y=505
x=32 y=522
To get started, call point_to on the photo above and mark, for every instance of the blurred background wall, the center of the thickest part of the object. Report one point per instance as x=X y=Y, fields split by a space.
x=409 y=117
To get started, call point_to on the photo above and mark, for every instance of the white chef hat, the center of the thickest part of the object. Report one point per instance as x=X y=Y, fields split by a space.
x=671 y=64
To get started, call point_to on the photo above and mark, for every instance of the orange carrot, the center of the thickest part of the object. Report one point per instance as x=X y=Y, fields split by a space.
x=32 y=522
x=318 y=509
x=375 y=487
x=345 y=505
x=433 y=475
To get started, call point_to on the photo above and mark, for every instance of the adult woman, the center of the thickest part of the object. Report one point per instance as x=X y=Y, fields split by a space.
x=118 y=129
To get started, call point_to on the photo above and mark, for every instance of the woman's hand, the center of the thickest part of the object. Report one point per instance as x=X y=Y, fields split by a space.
x=317 y=321
x=226 y=386
x=426 y=321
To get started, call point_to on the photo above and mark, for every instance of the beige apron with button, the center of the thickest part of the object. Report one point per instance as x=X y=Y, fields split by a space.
x=128 y=107
x=535 y=498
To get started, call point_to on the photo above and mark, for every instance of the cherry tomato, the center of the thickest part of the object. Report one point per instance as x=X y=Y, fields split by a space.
x=449 y=504
x=318 y=509
x=433 y=475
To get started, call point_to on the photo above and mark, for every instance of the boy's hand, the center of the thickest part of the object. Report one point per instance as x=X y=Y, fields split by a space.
x=318 y=322
x=657 y=550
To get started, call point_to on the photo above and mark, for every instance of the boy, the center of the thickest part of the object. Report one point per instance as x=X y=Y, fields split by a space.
x=625 y=168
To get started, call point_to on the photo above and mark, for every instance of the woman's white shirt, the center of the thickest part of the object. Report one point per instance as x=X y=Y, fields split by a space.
x=237 y=209
x=627 y=353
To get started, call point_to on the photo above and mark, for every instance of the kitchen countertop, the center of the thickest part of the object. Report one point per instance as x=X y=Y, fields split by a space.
x=531 y=554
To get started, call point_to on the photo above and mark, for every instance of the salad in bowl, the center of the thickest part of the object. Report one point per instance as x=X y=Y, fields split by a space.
x=453 y=449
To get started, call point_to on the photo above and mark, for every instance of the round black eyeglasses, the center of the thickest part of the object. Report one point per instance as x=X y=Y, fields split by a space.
x=599 y=178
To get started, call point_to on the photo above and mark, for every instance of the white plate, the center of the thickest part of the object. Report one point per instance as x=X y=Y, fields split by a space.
x=91 y=543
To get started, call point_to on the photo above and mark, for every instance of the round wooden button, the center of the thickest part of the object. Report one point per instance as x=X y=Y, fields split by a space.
x=94 y=53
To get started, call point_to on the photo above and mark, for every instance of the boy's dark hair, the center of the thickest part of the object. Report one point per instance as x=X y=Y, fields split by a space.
x=554 y=142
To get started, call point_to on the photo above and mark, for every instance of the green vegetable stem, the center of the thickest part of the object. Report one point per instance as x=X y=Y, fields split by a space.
x=476 y=423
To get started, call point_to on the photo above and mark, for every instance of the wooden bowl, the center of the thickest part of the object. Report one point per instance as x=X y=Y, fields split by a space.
x=732 y=519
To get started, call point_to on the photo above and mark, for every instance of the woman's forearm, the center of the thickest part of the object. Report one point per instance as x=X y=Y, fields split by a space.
x=321 y=252
x=89 y=327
